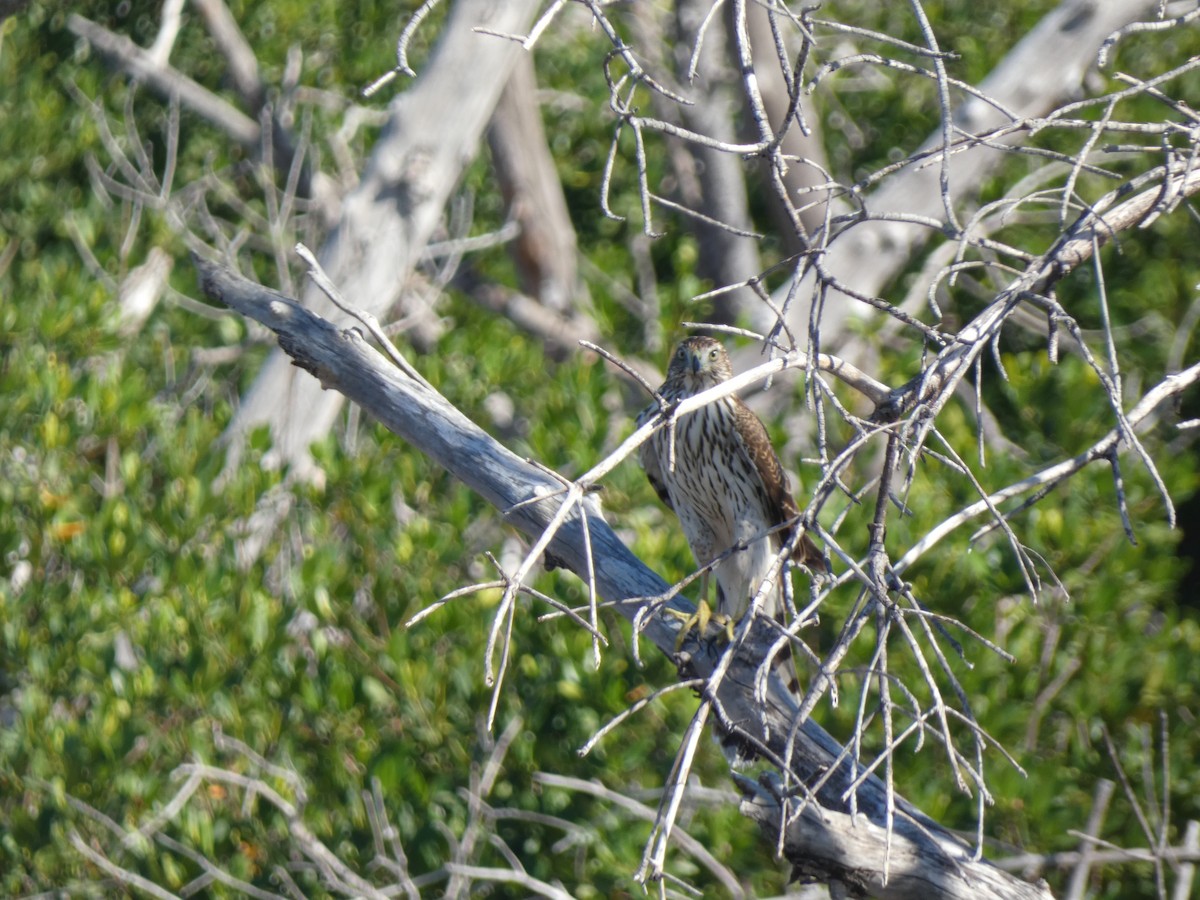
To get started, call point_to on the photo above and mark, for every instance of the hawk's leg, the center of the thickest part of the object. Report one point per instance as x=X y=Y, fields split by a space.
x=702 y=617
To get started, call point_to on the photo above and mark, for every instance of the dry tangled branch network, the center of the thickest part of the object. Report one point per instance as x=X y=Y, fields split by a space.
x=1025 y=176
x=1088 y=188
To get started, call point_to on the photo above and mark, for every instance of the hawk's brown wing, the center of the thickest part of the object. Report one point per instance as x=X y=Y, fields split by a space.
x=781 y=506
x=649 y=459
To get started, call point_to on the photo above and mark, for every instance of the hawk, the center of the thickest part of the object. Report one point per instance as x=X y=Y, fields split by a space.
x=724 y=481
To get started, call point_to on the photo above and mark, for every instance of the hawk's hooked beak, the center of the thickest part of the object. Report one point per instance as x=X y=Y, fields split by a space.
x=696 y=363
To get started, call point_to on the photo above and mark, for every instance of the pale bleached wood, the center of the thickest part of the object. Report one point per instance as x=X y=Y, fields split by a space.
x=433 y=130
x=1043 y=69
x=131 y=58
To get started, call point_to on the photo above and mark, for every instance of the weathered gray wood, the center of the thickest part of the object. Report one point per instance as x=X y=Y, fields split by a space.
x=925 y=861
x=708 y=181
x=433 y=131
x=141 y=65
x=799 y=178
x=1043 y=69
x=545 y=250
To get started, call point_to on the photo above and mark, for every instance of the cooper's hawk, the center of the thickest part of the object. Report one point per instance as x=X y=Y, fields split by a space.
x=725 y=483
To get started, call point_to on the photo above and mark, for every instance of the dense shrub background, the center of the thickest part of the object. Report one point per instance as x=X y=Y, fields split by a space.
x=128 y=632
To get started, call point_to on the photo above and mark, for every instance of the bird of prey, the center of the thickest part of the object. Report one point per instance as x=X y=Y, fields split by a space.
x=724 y=481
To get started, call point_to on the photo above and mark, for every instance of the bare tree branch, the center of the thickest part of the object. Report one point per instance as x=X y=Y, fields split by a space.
x=124 y=876
x=129 y=56
x=832 y=810
x=239 y=56
x=1077 y=886
x=711 y=184
x=1186 y=854
x=414 y=165
x=640 y=811
x=1043 y=68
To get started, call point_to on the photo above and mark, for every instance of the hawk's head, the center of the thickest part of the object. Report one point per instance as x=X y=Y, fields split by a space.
x=700 y=362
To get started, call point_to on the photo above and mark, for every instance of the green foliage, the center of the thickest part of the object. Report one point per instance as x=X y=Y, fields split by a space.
x=130 y=630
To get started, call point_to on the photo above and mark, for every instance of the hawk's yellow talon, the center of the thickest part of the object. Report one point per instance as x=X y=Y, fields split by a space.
x=699 y=622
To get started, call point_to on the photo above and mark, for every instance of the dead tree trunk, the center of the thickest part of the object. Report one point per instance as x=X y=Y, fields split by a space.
x=545 y=250
x=389 y=217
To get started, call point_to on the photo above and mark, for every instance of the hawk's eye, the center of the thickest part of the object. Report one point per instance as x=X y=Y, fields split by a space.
x=681 y=353
x=712 y=354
